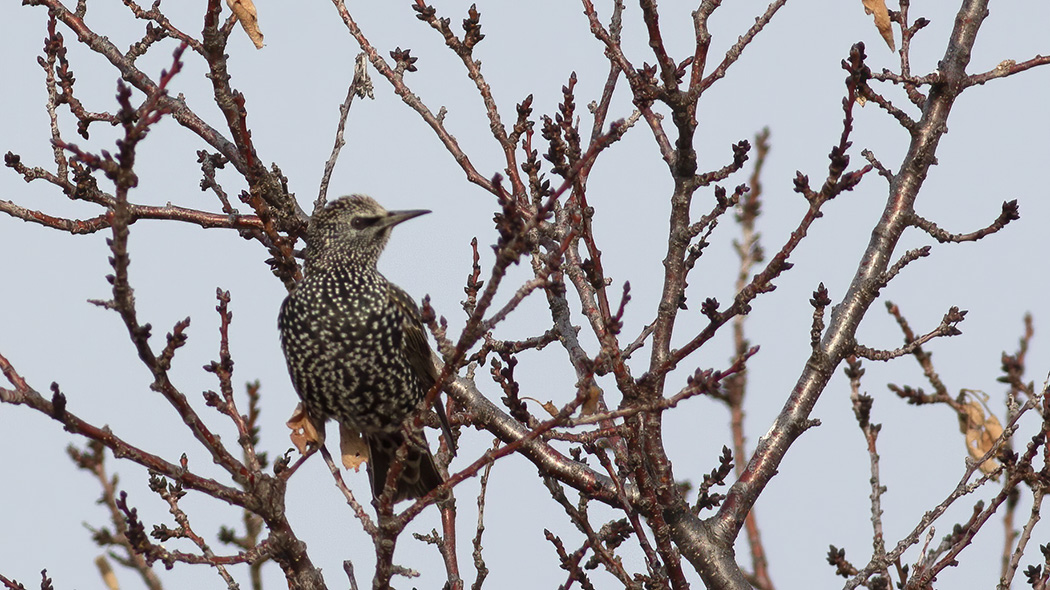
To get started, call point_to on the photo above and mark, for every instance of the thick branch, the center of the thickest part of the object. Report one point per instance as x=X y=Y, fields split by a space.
x=838 y=341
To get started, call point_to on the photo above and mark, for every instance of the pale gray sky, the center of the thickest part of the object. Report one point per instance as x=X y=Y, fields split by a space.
x=789 y=80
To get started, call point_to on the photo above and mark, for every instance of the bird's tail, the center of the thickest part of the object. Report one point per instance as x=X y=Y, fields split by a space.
x=418 y=474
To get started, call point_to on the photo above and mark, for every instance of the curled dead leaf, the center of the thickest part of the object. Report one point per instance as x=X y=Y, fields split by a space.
x=981 y=431
x=882 y=20
x=589 y=406
x=303 y=433
x=352 y=447
x=108 y=577
x=245 y=12
x=590 y=403
x=551 y=409
x=548 y=406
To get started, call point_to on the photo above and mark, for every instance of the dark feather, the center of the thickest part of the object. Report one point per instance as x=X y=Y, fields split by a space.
x=419 y=354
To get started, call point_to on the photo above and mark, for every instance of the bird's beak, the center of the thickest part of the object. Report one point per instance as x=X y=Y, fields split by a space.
x=395 y=217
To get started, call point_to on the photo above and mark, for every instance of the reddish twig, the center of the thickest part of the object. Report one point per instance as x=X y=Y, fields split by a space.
x=396 y=80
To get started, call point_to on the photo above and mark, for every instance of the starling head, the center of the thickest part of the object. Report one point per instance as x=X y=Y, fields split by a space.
x=351 y=230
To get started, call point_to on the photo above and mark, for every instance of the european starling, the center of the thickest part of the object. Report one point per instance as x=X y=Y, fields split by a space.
x=355 y=343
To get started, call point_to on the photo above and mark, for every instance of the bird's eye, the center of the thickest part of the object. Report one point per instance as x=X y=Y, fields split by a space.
x=362 y=222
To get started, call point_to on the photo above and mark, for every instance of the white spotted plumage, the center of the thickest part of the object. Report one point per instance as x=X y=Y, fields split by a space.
x=354 y=342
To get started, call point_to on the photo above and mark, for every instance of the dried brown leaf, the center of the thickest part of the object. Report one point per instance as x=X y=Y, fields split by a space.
x=590 y=403
x=882 y=20
x=993 y=427
x=981 y=432
x=245 y=12
x=303 y=432
x=108 y=577
x=352 y=447
x=548 y=406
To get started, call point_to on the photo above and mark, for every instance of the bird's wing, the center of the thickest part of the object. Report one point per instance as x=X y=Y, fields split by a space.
x=416 y=346
x=418 y=350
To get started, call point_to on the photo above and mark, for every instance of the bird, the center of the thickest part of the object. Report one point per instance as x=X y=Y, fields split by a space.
x=355 y=345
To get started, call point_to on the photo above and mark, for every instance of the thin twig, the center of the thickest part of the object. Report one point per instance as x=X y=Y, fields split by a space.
x=361 y=86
